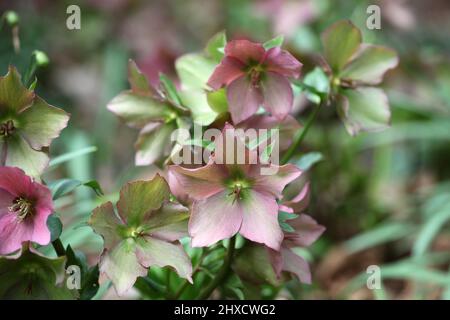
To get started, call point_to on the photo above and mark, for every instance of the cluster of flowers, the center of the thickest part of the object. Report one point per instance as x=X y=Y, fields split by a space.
x=235 y=84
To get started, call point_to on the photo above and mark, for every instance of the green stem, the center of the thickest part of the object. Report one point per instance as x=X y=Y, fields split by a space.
x=222 y=274
x=300 y=135
x=59 y=248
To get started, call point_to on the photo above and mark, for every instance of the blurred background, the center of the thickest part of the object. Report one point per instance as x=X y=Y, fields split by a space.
x=384 y=198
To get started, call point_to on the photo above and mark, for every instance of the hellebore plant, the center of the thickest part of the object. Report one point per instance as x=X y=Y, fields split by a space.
x=24 y=208
x=142 y=234
x=27 y=125
x=156 y=113
x=256 y=77
x=234 y=197
x=354 y=68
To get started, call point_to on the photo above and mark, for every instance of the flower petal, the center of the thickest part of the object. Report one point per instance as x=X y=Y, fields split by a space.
x=295 y=264
x=278 y=95
x=169 y=223
x=296 y=195
x=226 y=72
x=260 y=219
x=245 y=51
x=105 y=222
x=15 y=182
x=12 y=232
x=275 y=183
x=200 y=183
x=370 y=64
x=153 y=143
x=121 y=266
x=282 y=62
x=14 y=97
x=216 y=218
x=364 y=109
x=41 y=123
x=340 y=42
x=244 y=99
x=20 y=154
x=155 y=252
x=139 y=198
x=137 y=110
x=307 y=231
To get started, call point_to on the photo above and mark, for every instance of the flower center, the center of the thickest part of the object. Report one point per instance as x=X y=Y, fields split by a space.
x=171 y=116
x=255 y=74
x=22 y=207
x=7 y=128
x=236 y=188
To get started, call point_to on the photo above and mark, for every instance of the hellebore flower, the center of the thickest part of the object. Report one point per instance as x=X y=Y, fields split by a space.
x=31 y=276
x=255 y=76
x=230 y=197
x=27 y=125
x=142 y=234
x=305 y=232
x=157 y=116
x=24 y=208
x=354 y=68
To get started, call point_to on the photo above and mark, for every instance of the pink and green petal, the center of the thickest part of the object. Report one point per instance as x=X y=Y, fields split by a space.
x=153 y=143
x=340 y=41
x=307 y=231
x=244 y=99
x=106 y=223
x=278 y=95
x=364 y=109
x=226 y=72
x=169 y=223
x=14 y=97
x=282 y=62
x=245 y=51
x=370 y=64
x=139 y=198
x=154 y=252
x=41 y=123
x=215 y=218
x=260 y=219
x=200 y=183
x=274 y=184
x=296 y=265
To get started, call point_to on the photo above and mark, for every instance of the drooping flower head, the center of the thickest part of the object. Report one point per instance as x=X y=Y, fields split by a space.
x=151 y=111
x=27 y=125
x=256 y=77
x=24 y=208
x=142 y=234
x=354 y=68
x=232 y=197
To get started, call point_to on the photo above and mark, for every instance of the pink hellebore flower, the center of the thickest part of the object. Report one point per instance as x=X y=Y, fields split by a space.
x=232 y=198
x=255 y=76
x=307 y=231
x=24 y=208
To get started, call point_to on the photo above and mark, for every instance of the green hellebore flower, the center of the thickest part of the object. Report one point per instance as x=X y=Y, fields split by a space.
x=143 y=234
x=28 y=125
x=33 y=276
x=354 y=68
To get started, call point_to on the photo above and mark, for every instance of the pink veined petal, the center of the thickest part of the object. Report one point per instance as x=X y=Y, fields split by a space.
x=278 y=95
x=282 y=62
x=227 y=71
x=214 y=219
x=276 y=260
x=274 y=184
x=200 y=183
x=15 y=181
x=245 y=51
x=6 y=199
x=260 y=219
x=13 y=232
x=295 y=264
x=244 y=99
x=41 y=232
x=307 y=231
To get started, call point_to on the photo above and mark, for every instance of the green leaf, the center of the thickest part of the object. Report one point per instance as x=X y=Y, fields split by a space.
x=364 y=109
x=340 y=42
x=307 y=160
x=370 y=64
x=137 y=80
x=275 y=42
x=216 y=45
x=62 y=187
x=283 y=217
x=55 y=226
x=207 y=144
x=71 y=155
x=194 y=71
x=95 y=186
x=217 y=100
x=169 y=89
x=197 y=102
